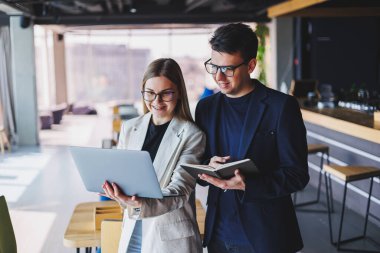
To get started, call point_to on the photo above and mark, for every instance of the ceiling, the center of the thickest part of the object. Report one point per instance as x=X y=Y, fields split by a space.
x=103 y=12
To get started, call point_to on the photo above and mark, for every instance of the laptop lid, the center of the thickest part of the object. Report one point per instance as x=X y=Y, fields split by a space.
x=132 y=170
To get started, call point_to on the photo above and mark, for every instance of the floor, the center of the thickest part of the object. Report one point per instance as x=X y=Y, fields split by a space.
x=42 y=188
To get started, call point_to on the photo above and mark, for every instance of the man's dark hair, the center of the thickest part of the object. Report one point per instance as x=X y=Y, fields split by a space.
x=233 y=38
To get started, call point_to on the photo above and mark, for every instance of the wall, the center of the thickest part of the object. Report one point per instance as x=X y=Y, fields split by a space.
x=340 y=51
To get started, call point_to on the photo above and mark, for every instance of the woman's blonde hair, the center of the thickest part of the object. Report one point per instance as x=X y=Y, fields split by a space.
x=170 y=69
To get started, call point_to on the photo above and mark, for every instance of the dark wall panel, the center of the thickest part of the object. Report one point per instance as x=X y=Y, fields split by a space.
x=4 y=20
x=343 y=52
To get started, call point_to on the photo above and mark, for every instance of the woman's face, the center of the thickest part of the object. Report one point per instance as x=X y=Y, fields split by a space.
x=160 y=97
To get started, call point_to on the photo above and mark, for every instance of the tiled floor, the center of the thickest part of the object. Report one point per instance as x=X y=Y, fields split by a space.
x=42 y=188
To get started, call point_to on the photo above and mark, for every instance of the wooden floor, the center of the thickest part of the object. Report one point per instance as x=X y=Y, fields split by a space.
x=42 y=187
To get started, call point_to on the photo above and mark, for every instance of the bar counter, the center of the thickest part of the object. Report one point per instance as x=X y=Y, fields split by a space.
x=350 y=122
x=353 y=139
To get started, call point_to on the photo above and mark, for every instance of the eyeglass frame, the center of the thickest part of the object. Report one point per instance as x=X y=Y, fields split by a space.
x=231 y=67
x=158 y=94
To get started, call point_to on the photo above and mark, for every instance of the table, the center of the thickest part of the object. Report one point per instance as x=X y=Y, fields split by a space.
x=80 y=232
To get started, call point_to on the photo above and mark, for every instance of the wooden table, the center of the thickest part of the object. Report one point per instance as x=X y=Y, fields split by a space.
x=80 y=232
x=201 y=216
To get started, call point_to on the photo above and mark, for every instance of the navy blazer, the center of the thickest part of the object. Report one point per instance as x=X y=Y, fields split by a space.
x=274 y=137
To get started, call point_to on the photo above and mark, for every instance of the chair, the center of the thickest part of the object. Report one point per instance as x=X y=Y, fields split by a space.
x=7 y=236
x=349 y=174
x=311 y=150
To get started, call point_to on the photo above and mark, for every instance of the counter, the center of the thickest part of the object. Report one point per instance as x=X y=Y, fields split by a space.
x=357 y=124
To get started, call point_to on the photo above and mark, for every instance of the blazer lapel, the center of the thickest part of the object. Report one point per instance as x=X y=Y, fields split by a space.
x=168 y=146
x=253 y=117
x=137 y=137
x=213 y=119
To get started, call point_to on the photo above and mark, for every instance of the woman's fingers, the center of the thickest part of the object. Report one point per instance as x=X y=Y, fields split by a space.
x=112 y=191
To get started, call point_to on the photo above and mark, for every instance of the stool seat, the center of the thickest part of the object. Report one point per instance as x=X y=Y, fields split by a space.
x=352 y=173
x=315 y=148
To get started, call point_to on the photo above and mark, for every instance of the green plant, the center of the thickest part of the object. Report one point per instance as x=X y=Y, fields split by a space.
x=262 y=31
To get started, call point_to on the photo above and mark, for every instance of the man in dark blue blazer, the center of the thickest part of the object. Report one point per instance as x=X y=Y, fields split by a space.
x=248 y=120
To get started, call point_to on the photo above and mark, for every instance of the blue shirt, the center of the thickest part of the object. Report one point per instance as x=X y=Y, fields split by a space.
x=232 y=116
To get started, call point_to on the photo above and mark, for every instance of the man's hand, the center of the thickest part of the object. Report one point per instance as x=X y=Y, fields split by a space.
x=234 y=183
x=113 y=191
x=215 y=161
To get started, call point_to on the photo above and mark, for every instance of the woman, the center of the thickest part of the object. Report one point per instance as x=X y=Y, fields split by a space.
x=168 y=133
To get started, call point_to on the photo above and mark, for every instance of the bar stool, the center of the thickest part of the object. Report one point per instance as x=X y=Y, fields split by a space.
x=349 y=174
x=314 y=149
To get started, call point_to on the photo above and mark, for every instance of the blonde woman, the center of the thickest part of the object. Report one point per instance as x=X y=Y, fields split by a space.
x=168 y=133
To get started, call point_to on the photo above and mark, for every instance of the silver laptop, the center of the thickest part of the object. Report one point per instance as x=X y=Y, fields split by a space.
x=132 y=170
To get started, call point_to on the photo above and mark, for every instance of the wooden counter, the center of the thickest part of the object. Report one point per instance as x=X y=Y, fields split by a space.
x=336 y=119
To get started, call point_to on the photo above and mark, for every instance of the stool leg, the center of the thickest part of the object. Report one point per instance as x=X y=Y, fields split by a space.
x=368 y=204
x=332 y=200
x=342 y=216
x=328 y=204
x=320 y=177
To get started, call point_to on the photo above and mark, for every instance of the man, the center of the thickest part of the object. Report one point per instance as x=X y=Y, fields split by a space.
x=248 y=120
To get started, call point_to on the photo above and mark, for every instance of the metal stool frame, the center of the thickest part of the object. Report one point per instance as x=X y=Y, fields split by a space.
x=339 y=242
x=315 y=201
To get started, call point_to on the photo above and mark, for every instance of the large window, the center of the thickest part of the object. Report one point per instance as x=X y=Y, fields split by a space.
x=44 y=59
x=104 y=65
x=108 y=65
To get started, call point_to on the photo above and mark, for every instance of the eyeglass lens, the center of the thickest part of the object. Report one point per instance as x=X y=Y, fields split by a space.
x=166 y=96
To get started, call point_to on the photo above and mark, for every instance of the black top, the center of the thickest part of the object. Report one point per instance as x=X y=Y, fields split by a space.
x=154 y=137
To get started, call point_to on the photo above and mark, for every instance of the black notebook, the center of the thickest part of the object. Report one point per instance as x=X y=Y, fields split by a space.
x=223 y=171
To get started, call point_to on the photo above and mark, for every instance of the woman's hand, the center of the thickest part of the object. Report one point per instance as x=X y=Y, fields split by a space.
x=112 y=191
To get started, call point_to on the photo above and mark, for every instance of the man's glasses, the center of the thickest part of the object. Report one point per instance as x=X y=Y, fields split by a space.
x=226 y=70
x=165 y=96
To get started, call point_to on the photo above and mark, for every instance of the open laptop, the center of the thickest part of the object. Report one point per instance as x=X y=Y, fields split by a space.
x=132 y=170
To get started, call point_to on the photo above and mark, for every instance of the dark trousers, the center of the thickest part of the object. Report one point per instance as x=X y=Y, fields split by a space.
x=217 y=246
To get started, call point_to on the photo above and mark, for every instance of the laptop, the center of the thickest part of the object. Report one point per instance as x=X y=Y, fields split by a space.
x=132 y=170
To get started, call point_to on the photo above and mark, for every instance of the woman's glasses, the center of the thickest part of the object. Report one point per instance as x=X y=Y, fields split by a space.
x=165 y=96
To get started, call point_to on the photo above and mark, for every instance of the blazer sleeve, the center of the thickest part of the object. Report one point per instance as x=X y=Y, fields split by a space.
x=292 y=174
x=182 y=183
x=205 y=159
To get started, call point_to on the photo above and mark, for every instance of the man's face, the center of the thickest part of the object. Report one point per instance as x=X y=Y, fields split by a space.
x=240 y=83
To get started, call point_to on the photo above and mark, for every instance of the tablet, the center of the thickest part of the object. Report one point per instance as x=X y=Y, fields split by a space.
x=132 y=170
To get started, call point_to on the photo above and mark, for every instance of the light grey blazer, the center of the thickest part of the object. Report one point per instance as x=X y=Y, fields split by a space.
x=169 y=224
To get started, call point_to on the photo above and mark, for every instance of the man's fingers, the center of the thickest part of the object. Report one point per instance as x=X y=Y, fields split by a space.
x=220 y=159
x=239 y=175
x=234 y=183
x=213 y=180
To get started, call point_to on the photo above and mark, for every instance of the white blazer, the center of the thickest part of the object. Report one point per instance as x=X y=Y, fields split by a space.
x=169 y=224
